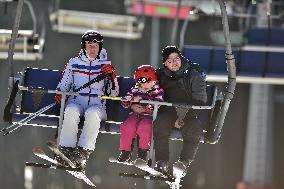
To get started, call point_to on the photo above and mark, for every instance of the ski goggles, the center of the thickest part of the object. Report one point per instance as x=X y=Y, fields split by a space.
x=93 y=37
x=144 y=80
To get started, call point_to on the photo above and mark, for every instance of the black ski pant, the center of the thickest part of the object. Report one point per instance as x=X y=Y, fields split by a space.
x=163 y=125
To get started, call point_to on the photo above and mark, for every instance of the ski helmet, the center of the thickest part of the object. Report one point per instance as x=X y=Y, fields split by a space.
x=92 y=36
x=168 y=50
x=145 y=73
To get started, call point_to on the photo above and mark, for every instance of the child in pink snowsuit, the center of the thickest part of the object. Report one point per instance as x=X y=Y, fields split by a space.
x=139 y=121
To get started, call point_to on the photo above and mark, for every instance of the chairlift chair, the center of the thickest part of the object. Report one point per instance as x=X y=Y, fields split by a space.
x=110 y=25
x=38 y=87
x=28 y=45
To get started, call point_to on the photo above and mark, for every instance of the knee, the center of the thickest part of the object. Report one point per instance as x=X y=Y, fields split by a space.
x=72 y=111
x=92 y=113
x=192 y=135
x=145 y=135
x=160 y=132
x=124 y=127
x=193 y=126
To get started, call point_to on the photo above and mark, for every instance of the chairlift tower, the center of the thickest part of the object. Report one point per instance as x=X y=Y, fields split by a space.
x=259 y=147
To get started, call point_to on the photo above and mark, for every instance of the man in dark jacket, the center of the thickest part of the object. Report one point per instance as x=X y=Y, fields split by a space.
x=182 y=84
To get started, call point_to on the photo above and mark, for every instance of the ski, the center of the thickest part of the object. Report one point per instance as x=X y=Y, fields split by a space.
x=152 y=174
x=113 y=160
x=148 y=177
x=78 y=174
x=179 y=169
x=53 y=147
x=143 y=165
x=51 y=166
x=38 y=151
x=173 y=182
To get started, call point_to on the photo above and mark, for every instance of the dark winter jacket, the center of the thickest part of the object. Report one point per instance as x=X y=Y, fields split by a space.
x=187 y=85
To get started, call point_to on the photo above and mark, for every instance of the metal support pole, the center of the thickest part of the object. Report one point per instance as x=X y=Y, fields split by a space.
x=154 y=60
x=258 y=164
x=62 y=107
x=175 y=25
x=155 y=36
x=30 y=6
x=259 y=147
x=13 y=40
x=231 y=67
x=182 y=32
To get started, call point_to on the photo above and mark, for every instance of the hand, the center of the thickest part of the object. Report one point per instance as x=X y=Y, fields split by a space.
x=149 y=109
x=137 y=98
x=108 y=69
x=127 y=98
x=58 y=98
x=126 y=101
x=137 y=108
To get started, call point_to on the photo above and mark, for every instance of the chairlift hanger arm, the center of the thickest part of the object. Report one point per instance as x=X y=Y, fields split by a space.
x=13 y=39
x=229 y=94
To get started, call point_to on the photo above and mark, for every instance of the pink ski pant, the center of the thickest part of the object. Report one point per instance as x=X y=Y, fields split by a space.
x=136 y=124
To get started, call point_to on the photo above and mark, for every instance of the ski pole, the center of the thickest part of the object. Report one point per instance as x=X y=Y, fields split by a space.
x=28 y=119
x=6 y=128
x=23 y=120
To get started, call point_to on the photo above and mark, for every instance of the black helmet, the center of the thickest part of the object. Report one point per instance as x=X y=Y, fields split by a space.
x=168 y=50
x=92 y=36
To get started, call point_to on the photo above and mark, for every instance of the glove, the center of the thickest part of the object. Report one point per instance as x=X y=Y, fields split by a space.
x=137 y=98
x=137 y=108
x=108 y=69
x=58 y=98
x=127 y=98
x=149 y=109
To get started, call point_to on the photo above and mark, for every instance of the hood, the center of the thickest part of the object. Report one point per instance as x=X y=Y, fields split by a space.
x=83 y=57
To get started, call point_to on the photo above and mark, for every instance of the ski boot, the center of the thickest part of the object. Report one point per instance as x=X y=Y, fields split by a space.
x=142 y=154
x=180 y=168
x=124 y=156
x=68 y=152
x=162 y=166
x=81 y=157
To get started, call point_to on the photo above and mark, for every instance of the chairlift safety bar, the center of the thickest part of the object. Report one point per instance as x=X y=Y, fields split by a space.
x=119 y=98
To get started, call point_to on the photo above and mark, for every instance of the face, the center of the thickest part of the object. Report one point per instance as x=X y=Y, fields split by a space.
x=92 y=49
x=148 y=85
x=173 y=62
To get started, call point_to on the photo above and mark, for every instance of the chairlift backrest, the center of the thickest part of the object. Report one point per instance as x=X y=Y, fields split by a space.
x=48 y=79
